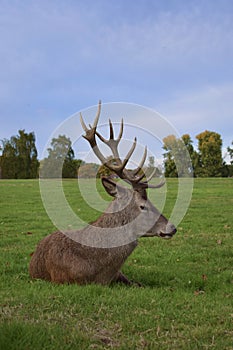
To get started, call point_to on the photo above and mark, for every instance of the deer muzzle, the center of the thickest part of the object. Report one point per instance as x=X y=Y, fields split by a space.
x=169 y=232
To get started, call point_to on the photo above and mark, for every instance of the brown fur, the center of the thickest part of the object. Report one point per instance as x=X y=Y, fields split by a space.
x=61 y=259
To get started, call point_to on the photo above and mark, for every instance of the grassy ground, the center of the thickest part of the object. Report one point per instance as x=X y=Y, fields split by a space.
x=186 y=302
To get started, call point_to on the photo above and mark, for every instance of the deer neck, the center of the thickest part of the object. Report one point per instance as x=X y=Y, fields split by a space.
x=119 y=213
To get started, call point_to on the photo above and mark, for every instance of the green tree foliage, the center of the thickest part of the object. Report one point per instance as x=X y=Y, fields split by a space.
x=230 y=152
x=210 y=151
x=19 y=157
x=194 y=155
x=229 y=167
x=176 y=156
x=60 y=160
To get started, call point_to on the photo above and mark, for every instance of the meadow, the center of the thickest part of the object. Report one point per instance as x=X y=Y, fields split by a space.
x=186 y=301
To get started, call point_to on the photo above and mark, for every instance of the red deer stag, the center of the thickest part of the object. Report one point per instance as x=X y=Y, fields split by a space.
x=60 y=259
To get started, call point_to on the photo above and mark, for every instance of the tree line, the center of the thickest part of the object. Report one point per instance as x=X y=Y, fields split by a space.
x=206 y=161
x=19 y=158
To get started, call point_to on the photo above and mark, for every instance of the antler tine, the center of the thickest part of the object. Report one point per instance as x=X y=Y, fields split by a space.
x=136 y=171
x=97 y=115
x=90 y=135
x=111 y=130
x=85 y=128
x=112 y=143
x=148 y=178
x=129 y=154
x=121 y=131
x=111 y=137
x=111 y=134
x=161 y=184
x=101 y=137
x=151 y=175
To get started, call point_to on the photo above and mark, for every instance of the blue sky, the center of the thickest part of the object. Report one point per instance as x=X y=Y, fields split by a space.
x=60 y=57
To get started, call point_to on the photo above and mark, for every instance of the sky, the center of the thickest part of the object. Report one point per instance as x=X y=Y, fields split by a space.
x=60 y=57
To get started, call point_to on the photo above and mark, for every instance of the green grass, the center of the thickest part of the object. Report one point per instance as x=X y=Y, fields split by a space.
x=186 y=302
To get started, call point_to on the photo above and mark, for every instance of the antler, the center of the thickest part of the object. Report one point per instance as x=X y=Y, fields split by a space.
x=133 y=177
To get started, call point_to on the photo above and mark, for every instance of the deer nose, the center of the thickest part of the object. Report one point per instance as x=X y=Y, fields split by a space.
x=170 y=229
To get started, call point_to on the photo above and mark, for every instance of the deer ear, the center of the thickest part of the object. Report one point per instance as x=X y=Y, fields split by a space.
x=110 y=186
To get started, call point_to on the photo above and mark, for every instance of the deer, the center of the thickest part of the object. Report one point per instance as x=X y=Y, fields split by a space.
x=60 y=259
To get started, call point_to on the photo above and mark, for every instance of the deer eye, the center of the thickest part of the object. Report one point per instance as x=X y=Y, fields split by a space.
x=143 y=207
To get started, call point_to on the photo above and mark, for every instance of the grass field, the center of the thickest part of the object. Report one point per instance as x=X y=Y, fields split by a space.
x=187 y=298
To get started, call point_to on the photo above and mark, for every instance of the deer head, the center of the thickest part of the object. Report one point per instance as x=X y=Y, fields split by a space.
x=130 y=206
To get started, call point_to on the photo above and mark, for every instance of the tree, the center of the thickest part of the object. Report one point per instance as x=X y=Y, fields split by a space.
x=169 y=162
x=70 y=168
x=8 y=160
x=60 y=160
x=230 y=151
x=194 y=156
x=176 y=157
x=19 y=157
x=210 y=151
x=229 y=167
